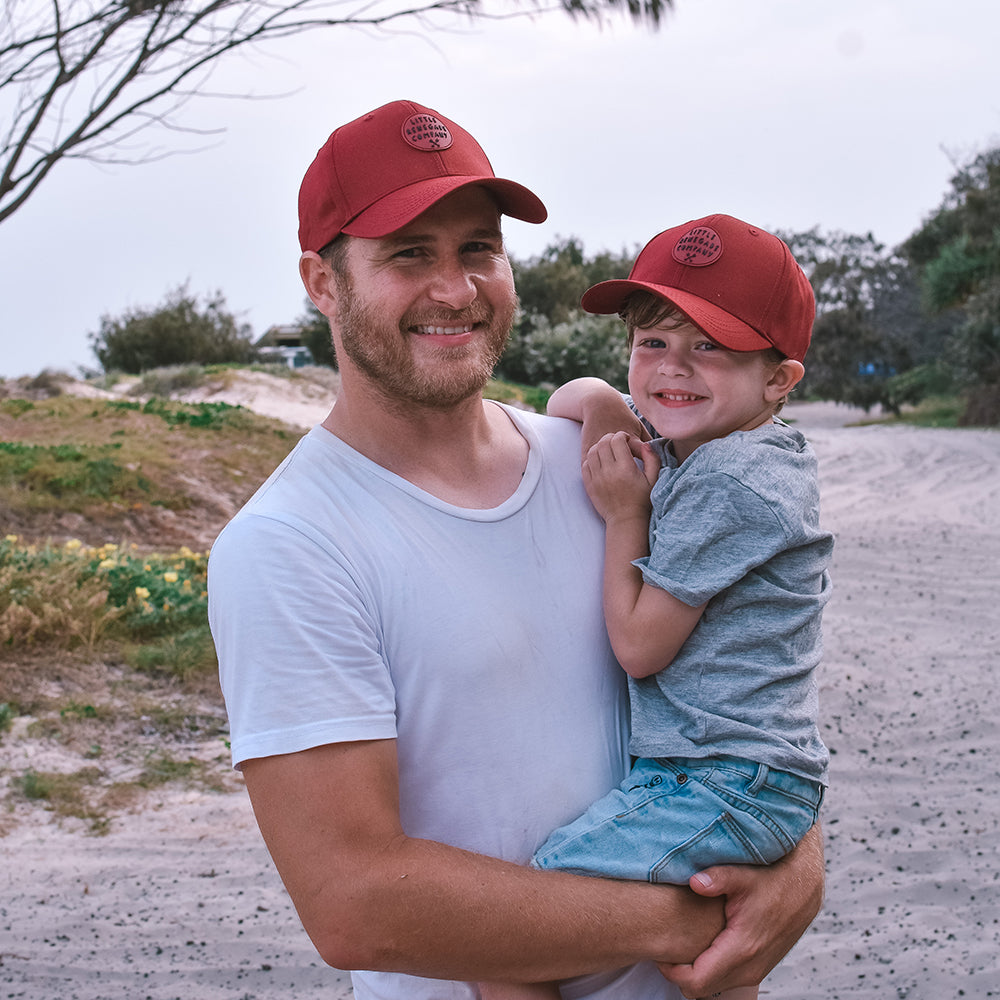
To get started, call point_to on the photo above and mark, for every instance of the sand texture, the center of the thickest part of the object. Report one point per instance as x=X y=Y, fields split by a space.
x=180 y=899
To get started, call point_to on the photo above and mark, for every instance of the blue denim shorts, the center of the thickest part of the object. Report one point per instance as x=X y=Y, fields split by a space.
x=672 y=817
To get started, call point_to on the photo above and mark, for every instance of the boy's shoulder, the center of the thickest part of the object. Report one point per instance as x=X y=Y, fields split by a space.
x=773 y=461
x=769 y=443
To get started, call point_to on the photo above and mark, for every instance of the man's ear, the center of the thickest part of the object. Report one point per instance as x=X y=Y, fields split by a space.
x=785 y=377
x=319 y=282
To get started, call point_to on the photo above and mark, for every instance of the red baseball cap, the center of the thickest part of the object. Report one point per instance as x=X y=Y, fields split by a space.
x=378 y=173
x=738 y=283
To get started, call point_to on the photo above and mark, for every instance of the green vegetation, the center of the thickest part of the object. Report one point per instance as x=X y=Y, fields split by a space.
x=100 y=457
x=72 y=595
x=105 y=652
x=181 y=331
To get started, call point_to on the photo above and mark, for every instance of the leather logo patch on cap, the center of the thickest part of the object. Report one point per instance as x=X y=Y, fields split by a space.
x=427 y=133
x=698 y=247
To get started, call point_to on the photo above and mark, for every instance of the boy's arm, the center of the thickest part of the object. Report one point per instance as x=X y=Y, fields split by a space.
x=597 y=405
x=646 y=625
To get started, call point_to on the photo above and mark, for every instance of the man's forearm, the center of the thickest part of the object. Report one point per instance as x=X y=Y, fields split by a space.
x=372 y=898
x=433 y=910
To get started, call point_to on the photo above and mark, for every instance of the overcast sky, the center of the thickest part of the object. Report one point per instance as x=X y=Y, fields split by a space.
x=787 y=113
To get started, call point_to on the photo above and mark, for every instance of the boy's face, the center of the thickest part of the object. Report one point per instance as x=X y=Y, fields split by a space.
x=692 y=390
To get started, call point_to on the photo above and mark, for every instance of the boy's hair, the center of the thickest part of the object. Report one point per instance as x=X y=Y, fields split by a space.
x=644 y=311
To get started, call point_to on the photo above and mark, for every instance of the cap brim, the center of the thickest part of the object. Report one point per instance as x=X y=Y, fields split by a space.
x=401 y=207
x=609 y=297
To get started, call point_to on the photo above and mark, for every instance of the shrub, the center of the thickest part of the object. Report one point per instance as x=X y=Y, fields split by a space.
x=179 y=332
x=72 y=595
x=540 y=352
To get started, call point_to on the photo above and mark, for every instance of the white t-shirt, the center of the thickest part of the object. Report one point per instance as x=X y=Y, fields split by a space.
x=348 y=604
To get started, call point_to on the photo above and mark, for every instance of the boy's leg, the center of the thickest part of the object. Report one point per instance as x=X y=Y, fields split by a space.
x=521 y=991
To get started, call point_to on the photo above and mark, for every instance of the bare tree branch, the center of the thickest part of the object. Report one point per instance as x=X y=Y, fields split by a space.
x=79 y=78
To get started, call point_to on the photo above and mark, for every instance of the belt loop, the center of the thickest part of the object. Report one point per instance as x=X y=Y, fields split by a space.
x=758 y=782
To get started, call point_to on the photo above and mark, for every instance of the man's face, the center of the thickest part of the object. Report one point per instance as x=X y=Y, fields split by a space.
x=424 y=313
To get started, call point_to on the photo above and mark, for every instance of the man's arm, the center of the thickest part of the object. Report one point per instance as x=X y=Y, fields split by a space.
x=372 y=898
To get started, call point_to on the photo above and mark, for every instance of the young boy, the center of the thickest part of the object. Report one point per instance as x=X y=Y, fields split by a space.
x=715 y=565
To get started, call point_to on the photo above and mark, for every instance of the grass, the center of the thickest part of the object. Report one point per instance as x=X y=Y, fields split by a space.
x=106 y=597
x=105 y=457
x=935 y=411
x=107 y=667
x=86 y=794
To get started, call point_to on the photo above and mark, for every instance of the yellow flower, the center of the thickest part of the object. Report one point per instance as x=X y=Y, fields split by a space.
x=106 y=564
x=170 y=577
x=186 y=586
x=142 y=593
x=10 y=538
x=73 y=544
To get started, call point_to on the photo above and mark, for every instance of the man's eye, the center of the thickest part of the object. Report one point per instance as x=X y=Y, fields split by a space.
x=409 y=252
x=653 y=342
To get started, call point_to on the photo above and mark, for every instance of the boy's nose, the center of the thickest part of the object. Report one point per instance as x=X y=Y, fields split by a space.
x=673 y=363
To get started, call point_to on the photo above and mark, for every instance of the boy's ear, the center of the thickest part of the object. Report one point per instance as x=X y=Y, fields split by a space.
x=785 y=377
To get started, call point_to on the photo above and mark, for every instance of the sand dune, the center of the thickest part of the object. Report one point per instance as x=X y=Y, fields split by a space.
x=182 y=901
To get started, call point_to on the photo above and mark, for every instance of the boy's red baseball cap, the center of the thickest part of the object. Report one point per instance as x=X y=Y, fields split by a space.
x=379 y=172
x=738 y=283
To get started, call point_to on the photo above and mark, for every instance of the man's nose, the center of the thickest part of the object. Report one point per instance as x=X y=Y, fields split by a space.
x=453 y=285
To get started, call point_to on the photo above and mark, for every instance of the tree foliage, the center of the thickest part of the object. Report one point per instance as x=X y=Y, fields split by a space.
x=178 y=332
x=869 y=324
x=554 y=340
x=86 y=78
x=956 y=254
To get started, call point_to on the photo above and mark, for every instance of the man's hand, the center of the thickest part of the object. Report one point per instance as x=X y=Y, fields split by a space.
x=767 y=911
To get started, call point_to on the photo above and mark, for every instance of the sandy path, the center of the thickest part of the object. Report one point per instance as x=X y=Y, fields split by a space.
x=182 y=901
x=909 y=706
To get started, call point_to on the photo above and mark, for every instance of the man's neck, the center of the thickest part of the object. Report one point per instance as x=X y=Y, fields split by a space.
x=470 y=455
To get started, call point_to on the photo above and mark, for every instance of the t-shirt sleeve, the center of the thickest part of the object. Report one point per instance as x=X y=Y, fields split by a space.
x=710 y=531
x=299 y=652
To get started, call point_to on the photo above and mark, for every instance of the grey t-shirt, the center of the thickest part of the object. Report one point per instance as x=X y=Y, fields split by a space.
x=737 y=525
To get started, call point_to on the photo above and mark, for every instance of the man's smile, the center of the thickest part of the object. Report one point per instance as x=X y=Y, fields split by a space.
x=444 y=331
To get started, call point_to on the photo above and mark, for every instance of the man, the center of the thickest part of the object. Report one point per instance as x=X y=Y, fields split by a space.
x=409 y=626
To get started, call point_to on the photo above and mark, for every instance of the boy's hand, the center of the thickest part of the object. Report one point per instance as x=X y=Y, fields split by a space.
x=616 y=485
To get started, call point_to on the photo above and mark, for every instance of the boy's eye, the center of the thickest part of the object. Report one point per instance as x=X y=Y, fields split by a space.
x=654 y=342
x=706 y=345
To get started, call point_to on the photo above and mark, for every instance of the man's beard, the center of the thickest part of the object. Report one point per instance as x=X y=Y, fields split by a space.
x=381 y=351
